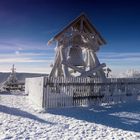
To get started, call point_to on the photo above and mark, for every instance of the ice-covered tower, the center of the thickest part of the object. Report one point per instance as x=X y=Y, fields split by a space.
x=11 y=82
x=12 y=79
x=76 y=49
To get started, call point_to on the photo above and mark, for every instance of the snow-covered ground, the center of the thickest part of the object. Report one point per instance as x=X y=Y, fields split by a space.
x=18 y=120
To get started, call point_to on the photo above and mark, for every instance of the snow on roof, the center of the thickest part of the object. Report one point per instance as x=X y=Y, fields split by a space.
x=76 y=24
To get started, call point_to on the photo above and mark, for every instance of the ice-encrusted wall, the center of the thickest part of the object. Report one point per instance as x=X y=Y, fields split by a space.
x=34 y=89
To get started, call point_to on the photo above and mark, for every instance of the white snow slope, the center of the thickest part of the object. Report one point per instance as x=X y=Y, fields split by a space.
x=19 y=121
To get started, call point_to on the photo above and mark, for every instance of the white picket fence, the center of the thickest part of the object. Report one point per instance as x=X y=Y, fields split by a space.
x=69 y=92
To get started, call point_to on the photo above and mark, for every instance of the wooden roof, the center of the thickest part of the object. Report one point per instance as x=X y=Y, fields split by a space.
x=76 y=24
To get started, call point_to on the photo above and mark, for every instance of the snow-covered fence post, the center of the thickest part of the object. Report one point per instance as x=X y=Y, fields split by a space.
x=45 y=93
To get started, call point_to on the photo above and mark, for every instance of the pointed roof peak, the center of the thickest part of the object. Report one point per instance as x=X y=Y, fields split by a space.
x=88 y=26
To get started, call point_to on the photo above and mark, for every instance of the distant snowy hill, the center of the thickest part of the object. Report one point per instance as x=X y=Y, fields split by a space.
x=131 y=73
x=20 y=76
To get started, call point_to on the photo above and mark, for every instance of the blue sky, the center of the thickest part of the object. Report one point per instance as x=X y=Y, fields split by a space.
x=27 y=25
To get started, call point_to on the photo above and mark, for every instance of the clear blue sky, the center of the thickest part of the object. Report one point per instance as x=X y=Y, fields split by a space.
x=27 y=25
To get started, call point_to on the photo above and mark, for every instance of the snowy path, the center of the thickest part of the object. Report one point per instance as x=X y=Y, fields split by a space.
x=19 y=121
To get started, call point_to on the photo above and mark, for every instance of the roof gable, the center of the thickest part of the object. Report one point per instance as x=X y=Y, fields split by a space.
x=86 y=26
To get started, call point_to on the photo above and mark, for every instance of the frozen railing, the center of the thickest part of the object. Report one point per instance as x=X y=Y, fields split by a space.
x=66 y=92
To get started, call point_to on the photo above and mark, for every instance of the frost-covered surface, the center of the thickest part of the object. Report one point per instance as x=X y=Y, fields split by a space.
x=18 y=120
x=34 y=88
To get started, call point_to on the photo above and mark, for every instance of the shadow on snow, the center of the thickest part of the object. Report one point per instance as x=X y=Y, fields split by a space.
x=124 y=116
x=20 y=113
